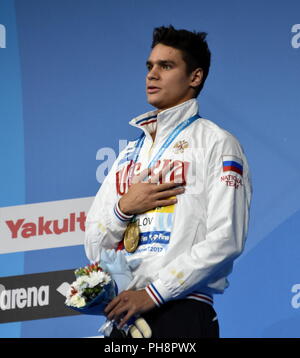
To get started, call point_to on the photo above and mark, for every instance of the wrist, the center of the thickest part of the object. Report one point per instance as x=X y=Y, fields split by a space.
x=120 y=214
x=149 y=302
x=123 y=208
x=152 y=296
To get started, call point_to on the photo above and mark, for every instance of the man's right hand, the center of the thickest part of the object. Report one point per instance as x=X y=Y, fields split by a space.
x=144 y=196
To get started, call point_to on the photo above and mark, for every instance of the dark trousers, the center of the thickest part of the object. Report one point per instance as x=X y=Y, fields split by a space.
x=181 y=319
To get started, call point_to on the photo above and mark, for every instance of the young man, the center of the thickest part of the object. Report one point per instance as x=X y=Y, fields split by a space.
x=177 y=198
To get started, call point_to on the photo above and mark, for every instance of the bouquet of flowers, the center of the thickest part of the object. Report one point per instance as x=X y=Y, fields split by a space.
x=96 y=285
x=92 y=290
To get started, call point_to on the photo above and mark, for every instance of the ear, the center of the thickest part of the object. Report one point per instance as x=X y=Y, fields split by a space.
x=196 y=77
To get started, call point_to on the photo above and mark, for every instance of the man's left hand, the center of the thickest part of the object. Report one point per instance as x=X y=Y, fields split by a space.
x=128 y=303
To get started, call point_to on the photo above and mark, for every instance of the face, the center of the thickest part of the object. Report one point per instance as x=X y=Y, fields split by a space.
x=167 y=81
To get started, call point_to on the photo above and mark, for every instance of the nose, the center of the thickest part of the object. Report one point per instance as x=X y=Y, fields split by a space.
x=153 y=74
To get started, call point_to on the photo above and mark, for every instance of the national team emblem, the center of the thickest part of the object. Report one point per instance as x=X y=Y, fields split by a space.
x=180 y=146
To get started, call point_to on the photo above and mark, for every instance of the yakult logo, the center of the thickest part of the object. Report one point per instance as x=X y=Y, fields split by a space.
x=43 y=225
x=295 y=42
x=2 y=36
x=23 y=229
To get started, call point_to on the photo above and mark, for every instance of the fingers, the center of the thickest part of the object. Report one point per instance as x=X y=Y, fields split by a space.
x=127 y=304
x=123 y=321
x=112 y=304
x=168 y=195
x=115 y=311
x=155 y=178
x=141 y=176
x=164 y=193
x=158 y=178
x=117 y=307
x=121 y=312
x=167 y=202
x=162 y=184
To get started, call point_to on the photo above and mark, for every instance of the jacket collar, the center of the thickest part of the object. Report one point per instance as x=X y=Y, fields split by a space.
x=165 y=121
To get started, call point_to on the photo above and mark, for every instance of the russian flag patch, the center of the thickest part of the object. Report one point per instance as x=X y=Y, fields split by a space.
x=233 y=164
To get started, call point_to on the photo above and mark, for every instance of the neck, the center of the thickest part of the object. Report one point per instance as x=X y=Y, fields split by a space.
x=174 y=105
x=153 y=134
x=159 y=110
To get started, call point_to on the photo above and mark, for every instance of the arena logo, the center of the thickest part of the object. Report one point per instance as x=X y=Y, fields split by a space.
x=2 y=36
x=34 y=296
x=295 y=302
x=22 y=297
x=295 y=42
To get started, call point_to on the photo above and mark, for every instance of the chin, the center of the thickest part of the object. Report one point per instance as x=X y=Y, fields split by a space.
x=155 y=102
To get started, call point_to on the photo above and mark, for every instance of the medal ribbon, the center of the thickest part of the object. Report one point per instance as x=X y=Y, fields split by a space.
x=172 y=136
x=176 y=131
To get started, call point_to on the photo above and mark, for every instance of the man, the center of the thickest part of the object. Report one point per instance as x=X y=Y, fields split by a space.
x=183 y=189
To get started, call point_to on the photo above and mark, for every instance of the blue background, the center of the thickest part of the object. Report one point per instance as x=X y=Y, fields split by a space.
x=72 y=76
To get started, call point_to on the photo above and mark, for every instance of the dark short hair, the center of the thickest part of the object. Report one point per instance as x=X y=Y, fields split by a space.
x=193 y=45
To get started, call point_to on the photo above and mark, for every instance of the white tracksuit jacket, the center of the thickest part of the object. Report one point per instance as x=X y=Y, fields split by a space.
x=186 y=250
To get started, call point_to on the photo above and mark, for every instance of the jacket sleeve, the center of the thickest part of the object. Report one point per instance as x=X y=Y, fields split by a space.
x=228 y=194
x=105 y=223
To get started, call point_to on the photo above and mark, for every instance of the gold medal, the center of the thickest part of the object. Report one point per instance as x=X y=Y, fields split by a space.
x=131 y=237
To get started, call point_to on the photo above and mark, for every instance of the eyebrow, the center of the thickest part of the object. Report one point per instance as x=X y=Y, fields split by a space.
x=161 y=62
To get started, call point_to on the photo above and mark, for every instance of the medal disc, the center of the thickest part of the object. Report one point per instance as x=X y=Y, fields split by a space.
x=131 y=237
